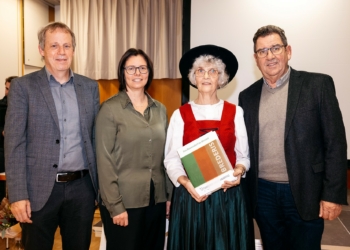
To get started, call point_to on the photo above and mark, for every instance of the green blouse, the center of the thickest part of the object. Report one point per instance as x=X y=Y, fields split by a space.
x=130 y=153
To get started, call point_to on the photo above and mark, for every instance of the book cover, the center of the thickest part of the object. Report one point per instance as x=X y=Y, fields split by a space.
x=206 y=163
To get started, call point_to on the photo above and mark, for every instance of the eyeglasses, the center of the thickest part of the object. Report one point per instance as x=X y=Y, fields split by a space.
x=131 y=70
x=276 y=50
x=201 y=72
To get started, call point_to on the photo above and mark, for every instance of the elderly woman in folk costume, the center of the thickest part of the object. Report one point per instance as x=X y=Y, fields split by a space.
x=217 y=221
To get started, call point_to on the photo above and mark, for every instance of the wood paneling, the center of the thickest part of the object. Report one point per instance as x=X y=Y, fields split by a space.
x=51 y=14
x=107 y=88
x=166 y=91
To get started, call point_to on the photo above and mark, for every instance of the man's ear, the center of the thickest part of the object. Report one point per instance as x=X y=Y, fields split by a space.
x=256 y=58
x=40 y=51
x=289 y=51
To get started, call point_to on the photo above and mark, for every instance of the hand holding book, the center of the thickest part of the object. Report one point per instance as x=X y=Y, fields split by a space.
x=228 y=184
x=184 y=181
x=207 y=164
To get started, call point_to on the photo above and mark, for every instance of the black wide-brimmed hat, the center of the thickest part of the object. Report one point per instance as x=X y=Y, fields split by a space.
x=227 y=57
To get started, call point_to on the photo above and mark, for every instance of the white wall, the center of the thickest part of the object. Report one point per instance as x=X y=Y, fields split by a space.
x=317 y=30
x=10 y=47
x=36 y=16
x=33 y=7
x=57 y=13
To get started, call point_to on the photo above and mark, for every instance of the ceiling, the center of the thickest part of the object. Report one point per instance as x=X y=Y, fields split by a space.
x=52 y=2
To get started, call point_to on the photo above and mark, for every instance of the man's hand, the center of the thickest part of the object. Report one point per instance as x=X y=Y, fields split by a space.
x=329 y=210
x=22 y=211
x=121 y=219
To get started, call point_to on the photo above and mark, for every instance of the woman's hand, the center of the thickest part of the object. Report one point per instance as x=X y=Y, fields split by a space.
x=239 y=170
x=228 y=184
x=121 y=219
x=184 y=181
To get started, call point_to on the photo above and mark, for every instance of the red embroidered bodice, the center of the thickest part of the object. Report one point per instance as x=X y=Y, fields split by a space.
x=224 y=128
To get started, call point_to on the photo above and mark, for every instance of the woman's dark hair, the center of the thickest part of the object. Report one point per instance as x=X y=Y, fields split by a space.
x=121 y=70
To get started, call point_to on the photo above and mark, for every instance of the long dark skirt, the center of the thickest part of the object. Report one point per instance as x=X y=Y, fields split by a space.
x=220 y=222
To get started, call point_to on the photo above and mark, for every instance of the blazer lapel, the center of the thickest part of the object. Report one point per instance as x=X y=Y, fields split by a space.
x=79 y=90
x=295 y=84
x=46 y=91
x=254 y=115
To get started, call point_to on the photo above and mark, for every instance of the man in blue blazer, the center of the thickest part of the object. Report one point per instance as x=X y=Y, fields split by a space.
x=298 y=150
x=49 y=154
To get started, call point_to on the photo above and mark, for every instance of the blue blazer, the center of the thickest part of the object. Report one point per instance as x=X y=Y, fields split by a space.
x=314 y=140
x=31 y=131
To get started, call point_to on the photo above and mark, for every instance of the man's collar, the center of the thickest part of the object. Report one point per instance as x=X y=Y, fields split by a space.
x=282 y=80
x=48 y=74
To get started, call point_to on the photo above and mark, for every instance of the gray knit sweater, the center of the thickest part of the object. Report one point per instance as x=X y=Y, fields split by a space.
x=272 y=118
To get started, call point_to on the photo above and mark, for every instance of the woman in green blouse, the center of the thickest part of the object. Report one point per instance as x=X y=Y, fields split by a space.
x=130 y=138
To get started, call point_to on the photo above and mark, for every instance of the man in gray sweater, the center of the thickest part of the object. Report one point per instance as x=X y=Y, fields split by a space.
x=298 y=148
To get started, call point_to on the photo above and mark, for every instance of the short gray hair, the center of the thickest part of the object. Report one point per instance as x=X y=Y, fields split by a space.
x=52 y=27
x=217 y=63
x=268 y=30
